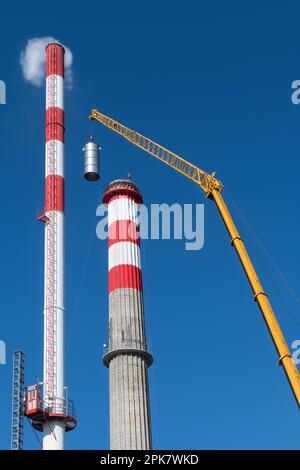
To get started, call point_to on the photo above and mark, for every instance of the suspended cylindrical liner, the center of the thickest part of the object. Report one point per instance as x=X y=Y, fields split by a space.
x=91 y=161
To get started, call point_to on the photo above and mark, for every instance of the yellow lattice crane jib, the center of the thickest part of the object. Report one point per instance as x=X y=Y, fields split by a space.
x=213 y=188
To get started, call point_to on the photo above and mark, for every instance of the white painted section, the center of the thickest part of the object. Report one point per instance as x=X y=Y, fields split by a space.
x=56 y=373
x=54 y=158
x=124 y=253
x=54 y=435
x=122 y=208
x=57 y=218
x=55 y=91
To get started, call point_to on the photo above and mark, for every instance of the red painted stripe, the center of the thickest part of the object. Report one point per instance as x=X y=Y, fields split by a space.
x=123 y=231
x=55 y=116
x=54 y=195
x=55 y=132
x=118 y=193
x=125 y=276
x=55 y=60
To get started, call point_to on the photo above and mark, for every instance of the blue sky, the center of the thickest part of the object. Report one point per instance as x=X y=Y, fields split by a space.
x=212 y=82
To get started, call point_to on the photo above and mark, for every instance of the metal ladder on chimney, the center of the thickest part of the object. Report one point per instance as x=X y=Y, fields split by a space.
x=51 y=247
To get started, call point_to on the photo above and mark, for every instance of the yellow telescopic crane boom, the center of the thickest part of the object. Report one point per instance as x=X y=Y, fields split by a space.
x=212 y=188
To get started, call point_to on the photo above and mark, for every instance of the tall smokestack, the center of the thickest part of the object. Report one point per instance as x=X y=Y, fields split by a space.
x=54 y=301
x=126 y=356
x=47 y=404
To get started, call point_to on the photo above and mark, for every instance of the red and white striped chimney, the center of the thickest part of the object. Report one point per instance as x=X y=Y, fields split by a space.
x=54 y=302
x=127 y=356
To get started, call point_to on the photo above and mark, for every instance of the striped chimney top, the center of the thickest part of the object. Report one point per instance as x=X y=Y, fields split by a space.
x=123 y=199
x=122 y=188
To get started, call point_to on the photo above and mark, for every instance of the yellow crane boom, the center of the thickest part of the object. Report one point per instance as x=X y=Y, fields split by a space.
x=212 y=188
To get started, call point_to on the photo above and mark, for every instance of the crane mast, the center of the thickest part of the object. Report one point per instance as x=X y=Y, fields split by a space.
x=18 y=401
x=213 y=188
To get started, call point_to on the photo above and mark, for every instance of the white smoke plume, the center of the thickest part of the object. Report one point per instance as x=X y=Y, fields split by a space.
x=33 y=61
